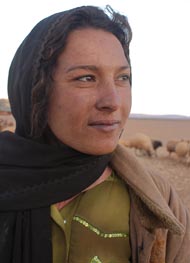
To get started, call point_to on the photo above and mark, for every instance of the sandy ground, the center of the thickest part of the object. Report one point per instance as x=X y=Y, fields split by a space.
x=162 y=129
x=177 y=173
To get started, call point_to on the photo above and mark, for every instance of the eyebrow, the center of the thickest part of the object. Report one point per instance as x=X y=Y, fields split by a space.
x=91 y=67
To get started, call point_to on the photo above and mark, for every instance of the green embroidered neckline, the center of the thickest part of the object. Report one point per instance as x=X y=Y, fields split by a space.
x=97 y=231
x=95 y=260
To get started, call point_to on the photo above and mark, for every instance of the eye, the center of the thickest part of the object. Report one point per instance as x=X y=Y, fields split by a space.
x=86 y=78
x=124 y=77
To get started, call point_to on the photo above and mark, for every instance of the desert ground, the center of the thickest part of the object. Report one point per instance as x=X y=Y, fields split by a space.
x=177 y=172
x=163 y=129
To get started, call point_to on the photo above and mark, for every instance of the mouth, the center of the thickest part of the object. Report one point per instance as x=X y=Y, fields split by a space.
x=105 y=125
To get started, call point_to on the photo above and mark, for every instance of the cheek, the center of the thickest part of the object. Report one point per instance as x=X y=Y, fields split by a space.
x=126 y=103
x=73 y=108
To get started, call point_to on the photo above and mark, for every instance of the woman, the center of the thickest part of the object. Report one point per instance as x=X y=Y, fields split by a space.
x=69 y=192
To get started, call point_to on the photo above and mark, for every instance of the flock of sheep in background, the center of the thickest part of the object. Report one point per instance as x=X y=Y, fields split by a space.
x=144 y=145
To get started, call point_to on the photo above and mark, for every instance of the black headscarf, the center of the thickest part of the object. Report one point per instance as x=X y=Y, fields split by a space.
x=35 y=175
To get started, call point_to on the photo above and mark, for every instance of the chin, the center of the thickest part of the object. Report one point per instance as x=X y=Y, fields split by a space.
x=101 y=150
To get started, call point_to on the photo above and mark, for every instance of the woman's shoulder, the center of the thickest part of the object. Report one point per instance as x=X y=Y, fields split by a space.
x=154 y=191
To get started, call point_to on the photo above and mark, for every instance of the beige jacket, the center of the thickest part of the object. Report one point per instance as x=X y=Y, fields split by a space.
x=159 y=221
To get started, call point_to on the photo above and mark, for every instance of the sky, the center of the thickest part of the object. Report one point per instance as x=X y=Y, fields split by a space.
x=160 y=48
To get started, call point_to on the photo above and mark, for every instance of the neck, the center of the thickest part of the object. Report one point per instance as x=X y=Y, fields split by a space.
x=107 y=172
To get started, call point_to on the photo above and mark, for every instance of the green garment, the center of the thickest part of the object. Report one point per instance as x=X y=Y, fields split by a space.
x=93 y=227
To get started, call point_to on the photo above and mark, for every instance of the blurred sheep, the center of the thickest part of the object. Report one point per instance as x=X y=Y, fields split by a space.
x=141 y=142
x=182 y=150
x=170 y=146
x=179 y=150
x=156 y=144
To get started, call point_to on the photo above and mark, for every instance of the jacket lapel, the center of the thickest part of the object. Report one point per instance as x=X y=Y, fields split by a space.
x=146 y=193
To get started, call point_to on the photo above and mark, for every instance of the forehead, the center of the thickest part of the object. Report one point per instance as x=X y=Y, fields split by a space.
x=93 y=46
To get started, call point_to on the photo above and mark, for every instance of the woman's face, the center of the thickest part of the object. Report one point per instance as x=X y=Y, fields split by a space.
x=91 y=97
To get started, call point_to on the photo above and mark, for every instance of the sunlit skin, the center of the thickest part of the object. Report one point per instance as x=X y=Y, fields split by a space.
x=91 y=97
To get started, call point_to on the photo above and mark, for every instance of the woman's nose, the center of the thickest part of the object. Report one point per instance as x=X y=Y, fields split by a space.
x=108 y=97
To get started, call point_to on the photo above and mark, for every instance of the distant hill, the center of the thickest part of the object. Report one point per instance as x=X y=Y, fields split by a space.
x=152 y=116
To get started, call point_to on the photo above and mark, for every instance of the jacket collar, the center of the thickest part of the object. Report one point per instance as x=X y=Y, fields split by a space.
x=140 y=180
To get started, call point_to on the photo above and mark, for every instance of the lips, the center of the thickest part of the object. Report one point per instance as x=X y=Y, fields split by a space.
x=105 y=125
